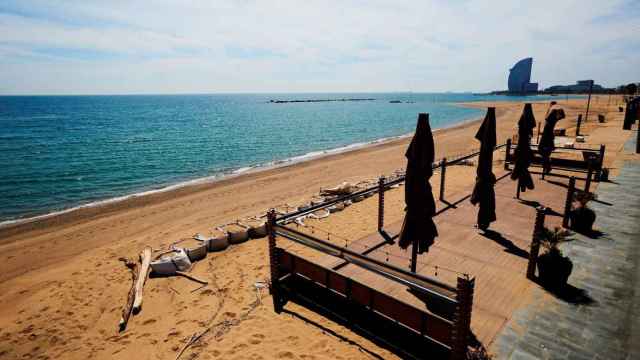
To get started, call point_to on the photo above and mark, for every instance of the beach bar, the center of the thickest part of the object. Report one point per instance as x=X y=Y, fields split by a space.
x=461 y=293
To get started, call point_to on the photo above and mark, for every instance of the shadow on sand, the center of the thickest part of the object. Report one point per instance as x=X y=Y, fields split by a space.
x=326 y=330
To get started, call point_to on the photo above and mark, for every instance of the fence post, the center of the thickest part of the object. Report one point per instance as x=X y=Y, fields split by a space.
x=600 y=162
x=273 y=262
x=506 y=155
x=443 y=171
x=587 y=184
x=568 y=202
x=628 y=122
x=578 y=125
x=462 y=318
x=380 y=203
x=535 y=243
x=638 y=138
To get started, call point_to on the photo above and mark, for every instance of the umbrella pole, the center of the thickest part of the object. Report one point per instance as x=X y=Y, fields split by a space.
x=518 y=190
x=414 y=255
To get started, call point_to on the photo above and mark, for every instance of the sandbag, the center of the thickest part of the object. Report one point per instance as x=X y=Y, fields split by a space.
x=169 y=264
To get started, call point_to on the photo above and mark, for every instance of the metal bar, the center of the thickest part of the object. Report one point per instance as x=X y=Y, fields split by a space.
x=469 y=156
x=387 y=270
x=381 y=203
x=443 y=174
x=506 y=154
x=575 y=148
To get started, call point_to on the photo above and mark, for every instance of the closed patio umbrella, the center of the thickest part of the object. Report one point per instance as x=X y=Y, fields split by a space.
x=418 y=228
x=523 y=153
x=547 y=141
x=483 y=193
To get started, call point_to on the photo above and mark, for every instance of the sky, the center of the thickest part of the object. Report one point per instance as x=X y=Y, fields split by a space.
x=161 y=46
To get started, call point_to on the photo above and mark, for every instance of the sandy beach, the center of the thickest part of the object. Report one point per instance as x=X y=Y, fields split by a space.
x=62 y=286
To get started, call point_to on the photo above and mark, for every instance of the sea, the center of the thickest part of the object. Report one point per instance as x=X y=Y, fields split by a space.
x=62 y=152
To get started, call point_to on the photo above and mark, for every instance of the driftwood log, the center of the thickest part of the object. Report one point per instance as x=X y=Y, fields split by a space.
x=145 y=260
x=126 y=311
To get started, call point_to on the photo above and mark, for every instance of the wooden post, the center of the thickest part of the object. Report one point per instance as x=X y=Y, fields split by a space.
x=587 y=184
x=628 y=122
x=568 y=201
x=535 y=243
x=586 y=116
x=443 y=174
x=600 y=162
x=578 y=125
x=462 y=318
x=381 y=203
x=273 y=261
x=506 y=154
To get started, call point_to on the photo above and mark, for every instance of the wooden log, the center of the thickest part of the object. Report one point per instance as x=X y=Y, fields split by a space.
x=145 y=260
x=126 y=311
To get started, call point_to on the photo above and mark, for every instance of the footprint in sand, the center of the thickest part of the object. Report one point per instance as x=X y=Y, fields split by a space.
x=256 y=339
x=229 y=314
x=285 y=355
x=148 y=321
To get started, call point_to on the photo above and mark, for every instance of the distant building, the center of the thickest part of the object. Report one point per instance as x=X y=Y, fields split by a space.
x=520 y=78
x=581 y=86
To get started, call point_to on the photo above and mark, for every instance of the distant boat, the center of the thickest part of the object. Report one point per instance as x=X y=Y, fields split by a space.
x=395 y=102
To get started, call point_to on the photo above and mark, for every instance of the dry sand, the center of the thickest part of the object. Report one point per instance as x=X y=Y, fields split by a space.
x=62 y=287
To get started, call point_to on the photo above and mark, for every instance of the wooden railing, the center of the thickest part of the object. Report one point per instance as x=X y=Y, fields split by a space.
x=446 y=324
x=592 y=162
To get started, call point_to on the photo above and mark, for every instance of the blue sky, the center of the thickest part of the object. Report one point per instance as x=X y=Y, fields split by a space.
x=161 y=46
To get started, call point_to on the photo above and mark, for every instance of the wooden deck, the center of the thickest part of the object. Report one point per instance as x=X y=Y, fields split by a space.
x=497 y=260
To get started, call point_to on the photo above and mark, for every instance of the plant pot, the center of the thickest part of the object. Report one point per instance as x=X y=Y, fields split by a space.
x=582 y=219
x=554 y=269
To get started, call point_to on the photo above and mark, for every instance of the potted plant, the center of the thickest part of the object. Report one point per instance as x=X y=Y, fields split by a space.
x=582 y=217
x=553 y=268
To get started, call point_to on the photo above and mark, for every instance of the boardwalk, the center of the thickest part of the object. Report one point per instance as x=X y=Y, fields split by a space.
x=599 y=318
x=497 y=260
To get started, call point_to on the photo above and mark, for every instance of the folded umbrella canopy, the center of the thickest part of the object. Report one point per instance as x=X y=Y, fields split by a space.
x=418 y=227
x=523 y=153
x=483 y=193
x=547 y=141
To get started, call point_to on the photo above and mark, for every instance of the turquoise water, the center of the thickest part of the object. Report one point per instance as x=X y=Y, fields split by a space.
x=58 y=152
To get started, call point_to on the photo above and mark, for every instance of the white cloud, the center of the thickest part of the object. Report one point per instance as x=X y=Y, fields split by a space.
x=169 y=47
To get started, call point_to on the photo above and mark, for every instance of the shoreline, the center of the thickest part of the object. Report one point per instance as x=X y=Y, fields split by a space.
x=63 y=283
x=203 y=183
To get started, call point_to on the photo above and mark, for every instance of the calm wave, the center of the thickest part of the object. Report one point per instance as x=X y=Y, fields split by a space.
x=58 y=152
